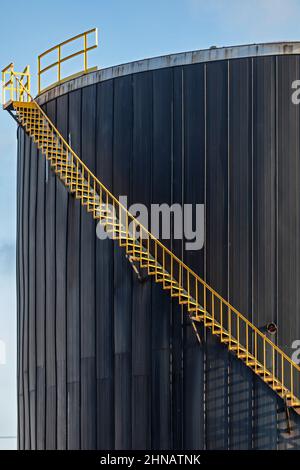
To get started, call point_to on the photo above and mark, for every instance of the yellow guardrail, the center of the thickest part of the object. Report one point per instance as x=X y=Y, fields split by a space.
x=15 y=85
x=62 y=59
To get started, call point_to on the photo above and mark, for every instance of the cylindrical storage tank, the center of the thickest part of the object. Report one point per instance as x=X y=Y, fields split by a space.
x=108 y=362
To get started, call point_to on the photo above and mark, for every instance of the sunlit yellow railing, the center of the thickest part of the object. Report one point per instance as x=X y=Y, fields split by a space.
x=202 y=302
x=15 y=85
x=60 y=59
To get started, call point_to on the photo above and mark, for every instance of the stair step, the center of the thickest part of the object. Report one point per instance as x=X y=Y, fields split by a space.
x=277 y=387
x=252 y=363
x=197 y=308
x=223 y=332
x=229 y=340
x=237 y=347
x=262 y=372
x=269 y=379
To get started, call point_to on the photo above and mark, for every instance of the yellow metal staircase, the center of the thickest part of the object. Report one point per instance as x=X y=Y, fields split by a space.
x=203 y=304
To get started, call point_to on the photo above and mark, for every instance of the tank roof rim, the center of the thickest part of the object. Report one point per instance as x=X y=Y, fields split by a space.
x=211 y=54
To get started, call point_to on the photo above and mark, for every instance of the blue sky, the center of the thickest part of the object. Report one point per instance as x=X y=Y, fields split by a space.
x=129 y=30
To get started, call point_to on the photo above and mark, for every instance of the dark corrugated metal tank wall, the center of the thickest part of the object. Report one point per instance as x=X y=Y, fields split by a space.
x=106 y=362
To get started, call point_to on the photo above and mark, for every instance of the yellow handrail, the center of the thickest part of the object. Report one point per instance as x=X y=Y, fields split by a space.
x=60 y=59
x=16 y=84
x=203 y=303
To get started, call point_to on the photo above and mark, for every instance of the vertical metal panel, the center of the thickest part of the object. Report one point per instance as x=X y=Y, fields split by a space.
x=264 y=268
x=288 y=178
x=194 y=171
x=288 y=227
x=240 y=241
x=105 y=277
x=61 y=225
x=216 y=247
x=41 y=306
x=141 y=292
x=27 y=443
x=161 y=306
x=73 y=288
x=122 y=274
x=18 y=283
x=50 y=236
x=87 y=287
x=177 y=248
x=32 y=293
x=21 y=428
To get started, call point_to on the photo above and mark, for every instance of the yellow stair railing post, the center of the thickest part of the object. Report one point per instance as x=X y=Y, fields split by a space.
x=62 y=59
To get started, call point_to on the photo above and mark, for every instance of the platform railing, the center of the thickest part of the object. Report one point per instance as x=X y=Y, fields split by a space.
x=61 y=58
x=15 y=85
